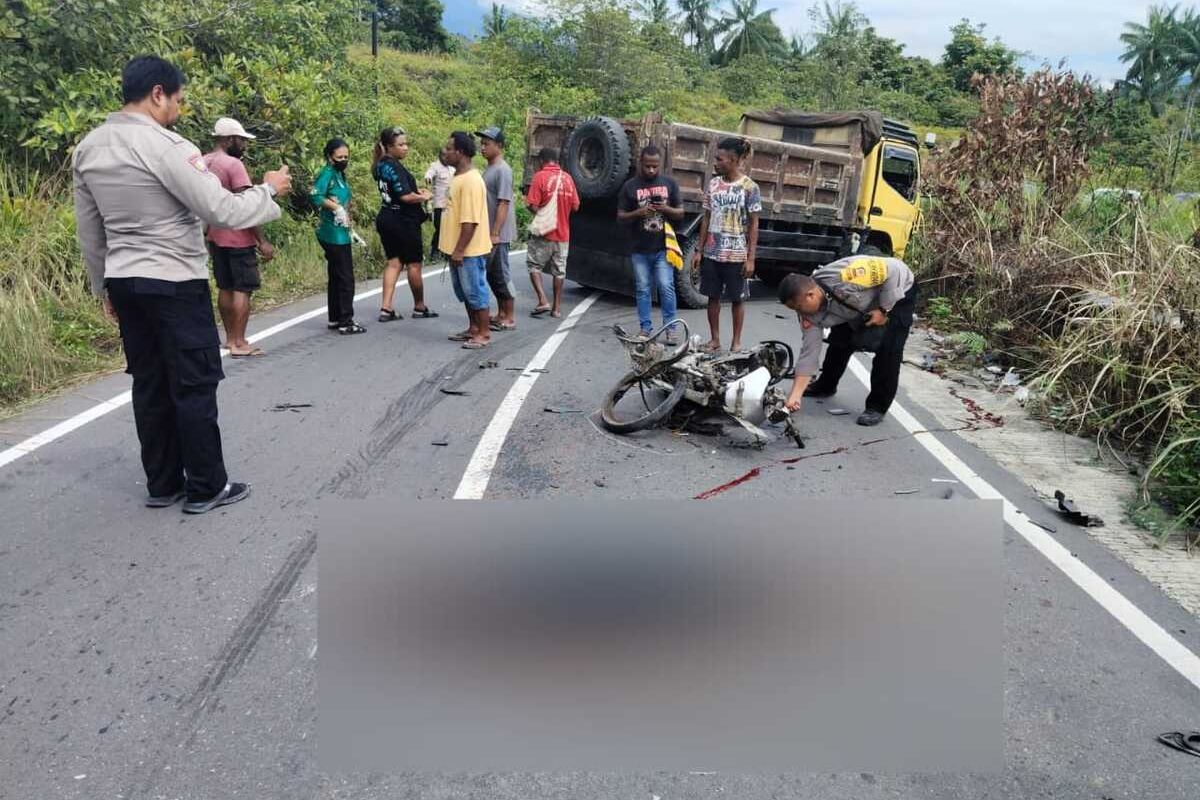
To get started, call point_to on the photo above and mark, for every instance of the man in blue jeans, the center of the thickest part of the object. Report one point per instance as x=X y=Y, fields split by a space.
x=646 y=202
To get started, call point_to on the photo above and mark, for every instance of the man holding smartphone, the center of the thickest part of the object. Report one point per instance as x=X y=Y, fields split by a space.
x=647 y=201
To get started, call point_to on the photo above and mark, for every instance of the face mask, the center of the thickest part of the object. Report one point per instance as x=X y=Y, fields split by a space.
x=340 y=166
x=235 y=150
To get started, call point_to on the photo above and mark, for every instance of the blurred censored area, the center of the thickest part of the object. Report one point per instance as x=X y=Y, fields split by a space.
x=810 y=635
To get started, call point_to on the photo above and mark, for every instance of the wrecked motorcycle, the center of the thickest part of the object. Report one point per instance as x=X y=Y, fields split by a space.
x=683 y=380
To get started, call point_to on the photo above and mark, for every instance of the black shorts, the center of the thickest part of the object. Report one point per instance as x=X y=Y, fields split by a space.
x=235 y=268
x=721 y=280
x=401 y=238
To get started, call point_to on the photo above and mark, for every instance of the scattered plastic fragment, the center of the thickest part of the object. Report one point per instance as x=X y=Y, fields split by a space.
x=562 y=410
x=1183 y=742
x=456 y=392
x=906 y=491
x=838 y=412
x=1068 y=510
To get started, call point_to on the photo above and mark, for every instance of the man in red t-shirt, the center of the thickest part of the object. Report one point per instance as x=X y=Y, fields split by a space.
x=235 y=253
x=549 y=253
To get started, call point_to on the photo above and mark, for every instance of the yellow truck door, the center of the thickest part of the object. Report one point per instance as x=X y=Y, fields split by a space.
x=893 y=207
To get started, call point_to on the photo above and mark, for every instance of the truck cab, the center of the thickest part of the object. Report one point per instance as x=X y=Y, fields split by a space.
x=888 y=206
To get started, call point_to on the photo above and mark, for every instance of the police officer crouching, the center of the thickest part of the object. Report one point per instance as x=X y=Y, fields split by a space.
x=867 y=302
x=142 y=196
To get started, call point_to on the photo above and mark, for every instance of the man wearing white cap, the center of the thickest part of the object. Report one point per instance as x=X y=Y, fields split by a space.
x=235 y=253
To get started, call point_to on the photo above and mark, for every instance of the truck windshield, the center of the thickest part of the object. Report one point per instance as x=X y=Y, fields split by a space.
x=900 y=171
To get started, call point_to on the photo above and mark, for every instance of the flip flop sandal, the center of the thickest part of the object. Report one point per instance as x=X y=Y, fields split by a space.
x=424 y=313
x=352 y=328
x=501 y=326
x=475 y=345
x=333 y=326
x=537 y=312
x=556 y=314
x=252 y=354
x=389 y=314
x=1183 y=742
x=459 y=337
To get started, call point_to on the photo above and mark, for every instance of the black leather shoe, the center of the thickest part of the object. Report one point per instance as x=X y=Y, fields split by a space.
x=164 y=500
x=817 y=390
x=232 y=493
x=870 y=417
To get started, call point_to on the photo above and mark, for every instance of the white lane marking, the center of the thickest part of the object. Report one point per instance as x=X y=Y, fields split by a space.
x=1151 y=634
x=479 y=470
x=27 y=446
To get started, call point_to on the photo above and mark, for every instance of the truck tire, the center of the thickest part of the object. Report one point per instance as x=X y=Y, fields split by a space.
x=687 y=283
x=597 y=157
x=653 y=416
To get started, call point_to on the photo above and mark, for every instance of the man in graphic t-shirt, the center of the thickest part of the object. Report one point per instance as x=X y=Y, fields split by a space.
x=647 y=201
x=729 y=235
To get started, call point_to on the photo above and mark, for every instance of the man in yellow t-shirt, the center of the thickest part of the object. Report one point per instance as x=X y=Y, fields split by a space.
x=466 y=240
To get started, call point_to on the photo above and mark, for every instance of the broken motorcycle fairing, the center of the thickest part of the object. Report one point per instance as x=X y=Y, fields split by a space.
x=742 y=385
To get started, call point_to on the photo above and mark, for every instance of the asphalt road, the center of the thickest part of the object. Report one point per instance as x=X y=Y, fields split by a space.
x=146 y=654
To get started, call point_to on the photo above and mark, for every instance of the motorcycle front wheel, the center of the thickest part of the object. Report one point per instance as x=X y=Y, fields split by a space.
x=654 y=401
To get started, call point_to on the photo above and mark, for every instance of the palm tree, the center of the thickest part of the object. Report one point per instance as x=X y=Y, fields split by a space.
x=495 y=22
x=748 y=31
x=1152 y=53
x=657 y=11
x=697 y=23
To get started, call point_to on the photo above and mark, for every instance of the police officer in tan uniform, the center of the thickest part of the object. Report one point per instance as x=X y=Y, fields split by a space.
x=142 y=197
x=867 y=302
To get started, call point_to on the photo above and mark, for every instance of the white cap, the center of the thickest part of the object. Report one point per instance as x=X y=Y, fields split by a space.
x=226 y=126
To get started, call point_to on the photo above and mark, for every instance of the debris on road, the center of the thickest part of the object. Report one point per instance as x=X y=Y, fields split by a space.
x=838 y=412
x=1068 y=510
x=906 y=491
x=1010 y=379
x=442 y=442
x=600 y=483
x=291 y=406
x=562 y=410
x=1022 y=395
x=455 y=392
x=488 y=364
x=943 y=480
x=1183 y=742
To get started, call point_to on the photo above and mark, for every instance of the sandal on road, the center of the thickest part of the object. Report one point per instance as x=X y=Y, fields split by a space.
x=537 y=312
x=556 y=314
x=389 y=314
x=502 y=326
x=257 y=351
x=461 y=336
x=351 y=328
x=475 y=345
x=424 y=313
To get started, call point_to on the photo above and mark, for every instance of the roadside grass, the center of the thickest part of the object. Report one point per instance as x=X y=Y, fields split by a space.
x=1101 y=308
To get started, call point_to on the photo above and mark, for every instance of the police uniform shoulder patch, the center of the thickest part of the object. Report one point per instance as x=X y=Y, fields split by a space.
x=865 y=272
x=198 y=163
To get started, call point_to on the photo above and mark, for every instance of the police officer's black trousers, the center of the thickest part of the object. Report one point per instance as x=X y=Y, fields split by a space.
x=339 y=261
x=172 y=350
x=885 y=365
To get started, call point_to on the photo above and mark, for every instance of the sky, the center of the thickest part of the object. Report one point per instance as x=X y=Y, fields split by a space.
x=1085 y=32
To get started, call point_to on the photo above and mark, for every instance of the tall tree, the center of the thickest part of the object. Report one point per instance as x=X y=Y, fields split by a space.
x=413 y=24
x=1152 y=52
x=748 y=31
x=656 y=11
x=696 y=24
x=495 y=22
x=969 y=52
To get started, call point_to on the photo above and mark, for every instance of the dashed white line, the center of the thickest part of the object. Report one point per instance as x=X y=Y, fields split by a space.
x=1151 y=634
x=479 y=470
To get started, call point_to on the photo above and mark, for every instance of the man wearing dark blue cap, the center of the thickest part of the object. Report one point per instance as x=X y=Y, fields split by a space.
x=498 y=177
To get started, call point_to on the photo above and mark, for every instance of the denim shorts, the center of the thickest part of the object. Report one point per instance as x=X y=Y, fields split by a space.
x=470 y=283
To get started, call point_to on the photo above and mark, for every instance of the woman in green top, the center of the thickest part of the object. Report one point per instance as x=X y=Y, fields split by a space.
x=331 y=194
